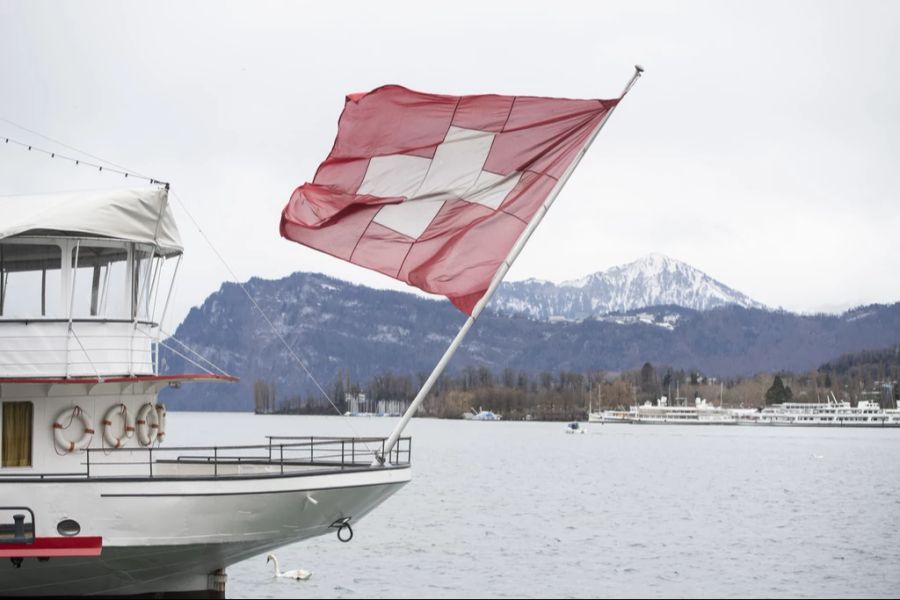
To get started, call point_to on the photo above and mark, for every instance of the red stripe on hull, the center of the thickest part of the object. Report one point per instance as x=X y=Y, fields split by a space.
x=54 y=546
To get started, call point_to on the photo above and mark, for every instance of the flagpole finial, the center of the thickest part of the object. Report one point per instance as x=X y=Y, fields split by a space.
x=638 y=71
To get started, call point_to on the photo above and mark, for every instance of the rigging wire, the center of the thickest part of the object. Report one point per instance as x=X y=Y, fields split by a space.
x=169 y=336
x=265 y=317
x=186 y=358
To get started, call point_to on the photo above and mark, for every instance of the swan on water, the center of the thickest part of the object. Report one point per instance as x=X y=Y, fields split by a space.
x=297 y=574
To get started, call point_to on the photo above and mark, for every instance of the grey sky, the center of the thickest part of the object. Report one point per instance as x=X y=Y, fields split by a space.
x=761 y=146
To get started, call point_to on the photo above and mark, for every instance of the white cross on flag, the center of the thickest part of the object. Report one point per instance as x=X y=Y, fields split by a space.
x=435 y=190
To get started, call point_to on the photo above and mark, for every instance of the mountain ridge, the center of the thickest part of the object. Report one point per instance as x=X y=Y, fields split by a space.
x=340 y=328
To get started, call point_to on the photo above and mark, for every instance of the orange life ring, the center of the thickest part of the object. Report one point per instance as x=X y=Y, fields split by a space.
x=147 y=425
x=127 y=426
x=68 y=415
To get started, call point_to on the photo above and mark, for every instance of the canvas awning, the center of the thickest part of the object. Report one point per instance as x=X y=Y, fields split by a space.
x=135 y=215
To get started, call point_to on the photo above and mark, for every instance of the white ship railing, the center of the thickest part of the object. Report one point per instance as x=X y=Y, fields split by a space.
x=99 y=347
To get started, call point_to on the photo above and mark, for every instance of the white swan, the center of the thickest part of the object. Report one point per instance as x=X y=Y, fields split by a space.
x=296 y=574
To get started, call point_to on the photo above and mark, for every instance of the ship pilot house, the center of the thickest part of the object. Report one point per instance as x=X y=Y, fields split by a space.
x=84 y=283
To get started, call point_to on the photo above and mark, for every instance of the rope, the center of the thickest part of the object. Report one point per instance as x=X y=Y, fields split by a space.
x=187 y=358
x=86 y=355
x=169 y=336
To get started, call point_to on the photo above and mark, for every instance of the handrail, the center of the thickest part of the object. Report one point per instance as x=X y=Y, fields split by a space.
x=332 y=452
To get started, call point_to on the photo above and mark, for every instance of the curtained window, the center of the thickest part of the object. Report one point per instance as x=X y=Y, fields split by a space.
x=17 y=426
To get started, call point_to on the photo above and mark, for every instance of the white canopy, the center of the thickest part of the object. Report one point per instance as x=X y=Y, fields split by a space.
x=135 y=215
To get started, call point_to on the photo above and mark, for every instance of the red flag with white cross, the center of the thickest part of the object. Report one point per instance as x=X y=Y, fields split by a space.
x=435 y=190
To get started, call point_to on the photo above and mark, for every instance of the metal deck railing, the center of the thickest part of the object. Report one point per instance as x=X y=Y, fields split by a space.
x=281 y=456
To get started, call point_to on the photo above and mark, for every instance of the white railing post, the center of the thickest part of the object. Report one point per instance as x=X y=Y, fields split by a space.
x=72 y=304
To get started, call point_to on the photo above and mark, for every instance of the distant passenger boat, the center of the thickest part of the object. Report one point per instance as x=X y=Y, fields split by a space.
x=664 y=413
x=833 y=413
x=611 y=416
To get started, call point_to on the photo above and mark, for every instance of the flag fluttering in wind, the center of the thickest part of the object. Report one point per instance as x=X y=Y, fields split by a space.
x=442 y=192
x=435 y=190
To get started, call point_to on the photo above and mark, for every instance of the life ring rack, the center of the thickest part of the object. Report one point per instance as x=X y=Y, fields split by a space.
x=70 y=414
x=127 y=426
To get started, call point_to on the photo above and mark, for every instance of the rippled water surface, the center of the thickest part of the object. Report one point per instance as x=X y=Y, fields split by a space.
x=524 y=510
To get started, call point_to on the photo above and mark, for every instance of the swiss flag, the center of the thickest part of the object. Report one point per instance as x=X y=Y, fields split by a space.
x=435 y=190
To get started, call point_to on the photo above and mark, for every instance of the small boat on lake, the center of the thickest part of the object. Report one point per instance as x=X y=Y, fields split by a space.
x=576 y=427
x=481 y=415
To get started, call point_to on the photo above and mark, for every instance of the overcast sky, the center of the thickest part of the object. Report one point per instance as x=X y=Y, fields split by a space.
x=762 y=145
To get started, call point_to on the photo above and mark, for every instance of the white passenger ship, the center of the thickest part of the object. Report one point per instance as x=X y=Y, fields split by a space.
x=93 y=499
x=833 y=413
x=663 y=411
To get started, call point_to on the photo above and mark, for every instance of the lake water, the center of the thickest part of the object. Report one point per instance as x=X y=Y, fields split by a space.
x=523 y=510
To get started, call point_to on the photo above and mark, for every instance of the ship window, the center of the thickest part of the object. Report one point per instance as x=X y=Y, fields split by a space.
x=143 y=282
x=101 y=282
x=30 y=280
x=16 y=442
x=152 y=277
x=68 y=527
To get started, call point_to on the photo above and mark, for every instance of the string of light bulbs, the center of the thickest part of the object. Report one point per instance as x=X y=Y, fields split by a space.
x=83 y=163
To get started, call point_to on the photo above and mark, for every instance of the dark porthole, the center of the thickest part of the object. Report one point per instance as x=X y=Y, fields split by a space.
x=68 y=527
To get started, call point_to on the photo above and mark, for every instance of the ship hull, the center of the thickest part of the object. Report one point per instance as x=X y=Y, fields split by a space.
x=168 y=537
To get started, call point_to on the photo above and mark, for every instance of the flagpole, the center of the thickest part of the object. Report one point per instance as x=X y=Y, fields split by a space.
x=495 y=283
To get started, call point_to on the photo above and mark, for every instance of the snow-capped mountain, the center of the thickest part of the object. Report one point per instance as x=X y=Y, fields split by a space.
x=653 y=280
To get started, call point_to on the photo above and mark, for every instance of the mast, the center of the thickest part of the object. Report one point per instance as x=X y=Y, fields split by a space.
x=495 y=282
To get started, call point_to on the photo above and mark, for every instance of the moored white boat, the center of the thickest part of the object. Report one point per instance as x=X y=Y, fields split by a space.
x=610 y=416
x=93 y=499
x=662 y=412
x=482 y=415
x=833 y=413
